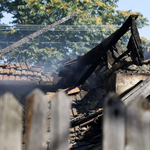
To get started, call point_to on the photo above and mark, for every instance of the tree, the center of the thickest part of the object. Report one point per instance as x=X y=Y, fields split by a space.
x=145 y=43
x=100 y=13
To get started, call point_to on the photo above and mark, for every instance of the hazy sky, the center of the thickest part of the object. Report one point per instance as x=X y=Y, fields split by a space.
x=142 y=6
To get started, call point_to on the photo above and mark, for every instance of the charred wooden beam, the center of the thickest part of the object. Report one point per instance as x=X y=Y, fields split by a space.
x=101 y=49
x=78 y=122
x=94 y=56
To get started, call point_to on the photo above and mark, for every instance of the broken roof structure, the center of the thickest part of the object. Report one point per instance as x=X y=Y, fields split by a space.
x=107 y=67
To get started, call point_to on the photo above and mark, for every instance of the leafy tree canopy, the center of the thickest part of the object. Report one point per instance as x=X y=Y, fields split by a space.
x=102 y=13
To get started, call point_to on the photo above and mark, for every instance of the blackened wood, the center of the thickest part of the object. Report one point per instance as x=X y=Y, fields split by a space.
x=115 y=67
x=88 y=72
x=95 y=55
x=36 y=120
x=64 y=71
x=121 y=56
x=81 y=121
x=10 y=123
x=101 y=49
x=35 y=34
x=132 y=46
x=113 y=123
x=137 y=52
x=146 y=61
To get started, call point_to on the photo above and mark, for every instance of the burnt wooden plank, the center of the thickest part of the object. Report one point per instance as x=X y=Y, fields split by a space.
x=10 y=123
x=60 y=123
x=36 y=120
x=113 y=123
x=95 y=56
x=83 y=120
x=101 y=49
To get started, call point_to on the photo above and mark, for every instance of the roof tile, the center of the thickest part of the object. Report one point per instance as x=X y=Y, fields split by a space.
x=18 y=78
x=1 y=70
x=11 y=77
x=37 y=78
x=1 y=77
x=39 y=74
x=23 y=66
x=1 y=64
x=35 y=73
x=5 y=65
x=30 y=73
x=6 y=71
x=28 y=65
x=17 y=65
x=11 y=66
x=29 y=77
x=5 y=77
x=24 y=72
x=19 y=68
x=18 y=72
x=44 y=78
x=37 y=68
x=50 y=78
x=12 y=70
x=24 y=78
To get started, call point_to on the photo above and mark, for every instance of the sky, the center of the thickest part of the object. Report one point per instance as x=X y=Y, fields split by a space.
x=142 y=6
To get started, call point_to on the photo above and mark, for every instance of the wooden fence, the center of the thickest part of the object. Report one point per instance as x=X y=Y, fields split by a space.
x=124 y=127
x=11 y=118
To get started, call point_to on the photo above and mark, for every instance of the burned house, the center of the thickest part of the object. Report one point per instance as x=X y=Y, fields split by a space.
x=87 y=80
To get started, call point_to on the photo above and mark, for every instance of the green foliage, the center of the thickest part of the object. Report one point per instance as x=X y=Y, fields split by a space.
x=145 y=43
x=67 y=42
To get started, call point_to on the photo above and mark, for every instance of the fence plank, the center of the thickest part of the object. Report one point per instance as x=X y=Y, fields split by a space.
x=10 y=123
x=138 y=125
x=36 y=118
x=60 y=123
x=113 y=123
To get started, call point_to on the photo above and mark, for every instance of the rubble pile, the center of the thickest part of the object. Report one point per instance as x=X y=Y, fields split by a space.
x=90 y=77
x=103 y=69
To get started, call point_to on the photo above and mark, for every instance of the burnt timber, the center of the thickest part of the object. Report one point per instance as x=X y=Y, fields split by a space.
x=98 y=72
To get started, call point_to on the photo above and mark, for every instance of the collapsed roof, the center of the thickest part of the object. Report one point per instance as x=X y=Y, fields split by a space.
x=107 y=67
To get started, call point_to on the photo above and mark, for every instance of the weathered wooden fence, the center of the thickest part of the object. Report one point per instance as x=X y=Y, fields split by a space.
x=11 y=118
x=126 y=127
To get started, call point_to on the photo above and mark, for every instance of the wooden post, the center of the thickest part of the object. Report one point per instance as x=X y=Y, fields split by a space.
x=36 y=121
x=60 y=123
x=138 y=125
x=10 y=123
x=113 y=123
